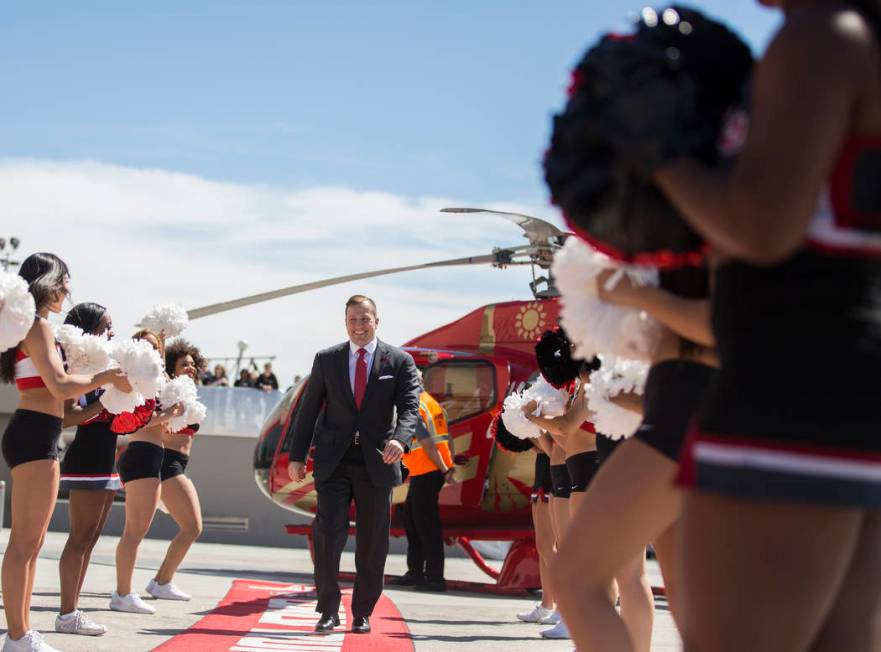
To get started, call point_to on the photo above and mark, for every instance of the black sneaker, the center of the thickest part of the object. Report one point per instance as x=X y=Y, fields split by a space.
x=432 y=586
x=407 y=579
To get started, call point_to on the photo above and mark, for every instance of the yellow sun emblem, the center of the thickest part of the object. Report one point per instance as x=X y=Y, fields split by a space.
x=530 y=321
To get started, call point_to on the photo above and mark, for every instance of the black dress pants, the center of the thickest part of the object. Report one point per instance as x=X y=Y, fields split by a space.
x=425 y=542
x=330 y=530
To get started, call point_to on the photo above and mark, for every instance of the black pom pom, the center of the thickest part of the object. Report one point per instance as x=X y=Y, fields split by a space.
x=637 y=101
x=553 y=352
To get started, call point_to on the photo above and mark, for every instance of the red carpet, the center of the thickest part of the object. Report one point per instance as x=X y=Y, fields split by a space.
x=258 y=616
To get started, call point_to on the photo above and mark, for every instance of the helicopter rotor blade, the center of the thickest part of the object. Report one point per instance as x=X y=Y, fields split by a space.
x=499 y=257
x=539 y=231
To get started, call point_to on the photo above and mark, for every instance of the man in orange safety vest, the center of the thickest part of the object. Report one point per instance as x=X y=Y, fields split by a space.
x=430 y=463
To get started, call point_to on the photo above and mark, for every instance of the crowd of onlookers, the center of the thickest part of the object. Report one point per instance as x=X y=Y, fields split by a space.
x=248 y=377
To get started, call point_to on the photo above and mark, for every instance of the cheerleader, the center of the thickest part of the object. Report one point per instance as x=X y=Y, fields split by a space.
x=30 y=442
x=139 y=469
x=637 y=480
x=88 y=473
x=788 y=440
x=178 y=492
x=585 y=451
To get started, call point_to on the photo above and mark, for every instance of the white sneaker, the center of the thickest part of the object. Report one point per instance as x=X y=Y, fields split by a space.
x=76 y=622
x=537 y=615
x=131 y=603
x=557 y=631
x=32 y=641
x=166 y=591
x=551 y=619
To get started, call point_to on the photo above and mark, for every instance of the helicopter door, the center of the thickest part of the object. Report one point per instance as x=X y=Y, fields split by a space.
x=469 y=390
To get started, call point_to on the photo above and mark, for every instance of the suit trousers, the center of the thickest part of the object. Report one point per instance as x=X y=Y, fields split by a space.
x=425 y=541
x=330 y=531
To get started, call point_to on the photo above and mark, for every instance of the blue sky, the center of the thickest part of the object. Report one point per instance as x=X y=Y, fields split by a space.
x=415 y=98
x=193 y=152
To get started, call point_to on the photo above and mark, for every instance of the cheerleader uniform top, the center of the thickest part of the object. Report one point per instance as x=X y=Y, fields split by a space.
x=26 y=374
x=792 y=413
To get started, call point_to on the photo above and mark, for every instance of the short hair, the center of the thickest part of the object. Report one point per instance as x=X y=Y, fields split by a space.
x=357 y=299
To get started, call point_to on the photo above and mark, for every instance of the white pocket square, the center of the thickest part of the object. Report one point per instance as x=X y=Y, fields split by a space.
x=385 y=377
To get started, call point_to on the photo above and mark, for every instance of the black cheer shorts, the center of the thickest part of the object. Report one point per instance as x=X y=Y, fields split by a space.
x=174 y=464
x=31 y=436
x=541 y=486
x=582 y=467
x=561 y=484
x=674 y=391
x=141 y=460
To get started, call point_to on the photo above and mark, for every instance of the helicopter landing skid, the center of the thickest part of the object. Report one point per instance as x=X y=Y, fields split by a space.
x=519 y=573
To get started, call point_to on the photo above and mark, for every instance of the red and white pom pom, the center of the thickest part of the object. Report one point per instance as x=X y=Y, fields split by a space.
x=616 y=376
x=118 y=402
x=182 y=390
x=84 y=353
x=143 y=368
x=169 y=320
x=17 y=310
x=593 y=325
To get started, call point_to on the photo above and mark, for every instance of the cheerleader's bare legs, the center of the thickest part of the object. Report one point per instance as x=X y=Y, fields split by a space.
x=545 y=545
x=178 y=492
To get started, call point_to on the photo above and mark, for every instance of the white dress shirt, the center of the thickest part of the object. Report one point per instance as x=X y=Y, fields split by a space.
x=353 y=360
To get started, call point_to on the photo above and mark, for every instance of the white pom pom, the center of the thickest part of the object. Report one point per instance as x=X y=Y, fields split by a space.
x=17 y=310
x=593 y=325
x=142 y=367
x=195 y=413
x=551 y=401
x=84 y=353
x=170 y=320
x=182 y=390
x=616 y=376
x=117 y=402
x=512 y=416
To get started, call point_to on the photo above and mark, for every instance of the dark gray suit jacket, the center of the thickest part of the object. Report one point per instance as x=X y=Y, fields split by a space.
x=327 y=414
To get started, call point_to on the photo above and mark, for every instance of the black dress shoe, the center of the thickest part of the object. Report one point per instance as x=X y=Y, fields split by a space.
x=361 y=625
x=327 y=622
x=407 y=579
x=432 y=586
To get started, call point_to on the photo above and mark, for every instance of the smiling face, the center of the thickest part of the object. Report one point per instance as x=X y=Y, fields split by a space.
x=361 y=323
x=185 y=366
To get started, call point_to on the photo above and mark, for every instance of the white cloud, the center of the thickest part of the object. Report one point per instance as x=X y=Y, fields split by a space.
x=134 y=238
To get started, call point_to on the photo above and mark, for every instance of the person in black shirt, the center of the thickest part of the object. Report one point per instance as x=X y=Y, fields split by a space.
x=267 y=380
x=244 y=379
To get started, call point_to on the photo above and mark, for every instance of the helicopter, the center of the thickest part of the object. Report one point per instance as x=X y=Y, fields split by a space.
x=469 y=366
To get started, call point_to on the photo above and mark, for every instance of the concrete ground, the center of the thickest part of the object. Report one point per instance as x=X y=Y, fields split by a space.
x=446 y=621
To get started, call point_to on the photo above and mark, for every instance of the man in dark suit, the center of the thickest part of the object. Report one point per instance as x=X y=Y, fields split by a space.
x=360 y=411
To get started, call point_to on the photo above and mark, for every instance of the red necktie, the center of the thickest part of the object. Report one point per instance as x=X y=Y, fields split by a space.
x=360 y=377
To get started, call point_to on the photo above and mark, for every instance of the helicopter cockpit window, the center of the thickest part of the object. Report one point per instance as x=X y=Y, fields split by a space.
x=463 y=387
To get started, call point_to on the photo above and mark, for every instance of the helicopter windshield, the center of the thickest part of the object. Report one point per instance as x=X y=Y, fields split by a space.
x=464 y=388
